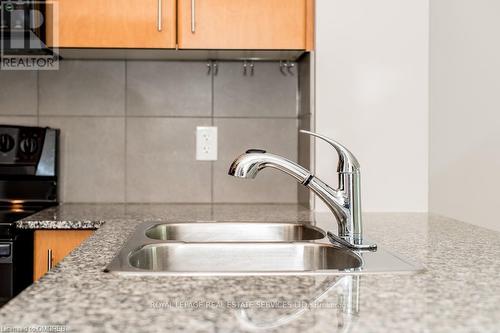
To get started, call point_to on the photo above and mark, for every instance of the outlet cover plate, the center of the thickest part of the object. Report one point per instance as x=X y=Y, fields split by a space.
x=206 y=143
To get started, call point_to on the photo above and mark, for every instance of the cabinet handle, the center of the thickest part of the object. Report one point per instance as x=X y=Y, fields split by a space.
x=193 y=16
x=160 y=23
x=49 y=259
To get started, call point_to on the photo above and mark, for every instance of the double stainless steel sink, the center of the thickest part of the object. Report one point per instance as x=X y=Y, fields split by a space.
x=244 y=248
x=260 y=248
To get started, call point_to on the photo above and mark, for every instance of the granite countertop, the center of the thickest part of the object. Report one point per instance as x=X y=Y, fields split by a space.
x=458 y=292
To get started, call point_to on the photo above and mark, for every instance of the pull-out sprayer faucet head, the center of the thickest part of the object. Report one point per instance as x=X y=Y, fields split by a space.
x=344 y=202
x=250 y=163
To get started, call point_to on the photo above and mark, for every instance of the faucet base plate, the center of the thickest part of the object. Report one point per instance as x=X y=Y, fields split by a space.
x=365 y=246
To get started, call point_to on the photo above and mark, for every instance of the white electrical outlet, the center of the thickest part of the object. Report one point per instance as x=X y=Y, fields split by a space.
x=206 y=143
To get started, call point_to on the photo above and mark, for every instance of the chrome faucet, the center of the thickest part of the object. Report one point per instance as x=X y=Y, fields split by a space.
x=344 y=202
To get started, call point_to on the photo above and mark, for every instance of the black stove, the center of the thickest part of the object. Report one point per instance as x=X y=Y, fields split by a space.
x=28 y=184
x=8 y=218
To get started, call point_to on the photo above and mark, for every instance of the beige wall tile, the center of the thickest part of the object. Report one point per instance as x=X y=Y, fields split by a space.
x=278 y=136
x=18 y=93
x=83 y=88
x=92 y=158
x=168 y=88
x=267 y=93
x=161 y=161
x=19 y=121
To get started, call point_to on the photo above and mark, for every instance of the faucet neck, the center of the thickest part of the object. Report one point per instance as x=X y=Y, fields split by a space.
x=344 y=203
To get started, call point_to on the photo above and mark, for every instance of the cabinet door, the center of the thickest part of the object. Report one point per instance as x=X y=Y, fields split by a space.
x=115 y=24
x=51 y=246
x=242 y=24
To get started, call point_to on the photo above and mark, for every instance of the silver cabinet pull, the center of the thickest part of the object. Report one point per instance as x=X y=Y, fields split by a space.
x=160 y=23
x=193 y=16
x=49 y=259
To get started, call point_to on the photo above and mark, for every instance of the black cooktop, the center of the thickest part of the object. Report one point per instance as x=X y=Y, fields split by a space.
x=8 y=218
x=13 y=215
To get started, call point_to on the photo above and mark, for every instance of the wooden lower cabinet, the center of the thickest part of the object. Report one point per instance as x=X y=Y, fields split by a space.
x=54 y=245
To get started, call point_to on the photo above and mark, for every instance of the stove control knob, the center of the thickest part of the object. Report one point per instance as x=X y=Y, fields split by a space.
x=28 y=145
x=6 y=143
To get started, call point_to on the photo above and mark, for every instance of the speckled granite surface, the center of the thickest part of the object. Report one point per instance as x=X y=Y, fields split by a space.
x=459 y=292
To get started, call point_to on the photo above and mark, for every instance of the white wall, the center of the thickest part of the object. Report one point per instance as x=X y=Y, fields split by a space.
x=372 y=95
x=465 y=110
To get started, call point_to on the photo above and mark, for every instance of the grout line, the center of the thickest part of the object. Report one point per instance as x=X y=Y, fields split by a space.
x=313 y=123
x=212 y=176
x=298 y=112
x=212 y=118
x=212 y=163
x=19 y=115
x=212 y=87
x=125 y=169
x=118 y=116
x=429 y=107
x=298 y=87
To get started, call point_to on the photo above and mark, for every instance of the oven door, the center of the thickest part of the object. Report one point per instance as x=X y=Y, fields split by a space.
x=16 y=265
x=6 y=272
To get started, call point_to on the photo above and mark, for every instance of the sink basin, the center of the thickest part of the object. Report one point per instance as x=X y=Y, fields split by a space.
x=245 y=248
x=234 y=232
x=243 y=257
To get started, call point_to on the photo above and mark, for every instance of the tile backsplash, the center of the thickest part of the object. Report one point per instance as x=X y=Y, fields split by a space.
x=128 y=127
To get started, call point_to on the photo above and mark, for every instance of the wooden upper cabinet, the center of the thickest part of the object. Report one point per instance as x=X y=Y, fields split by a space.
x=116 y=23
x=243 y=24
